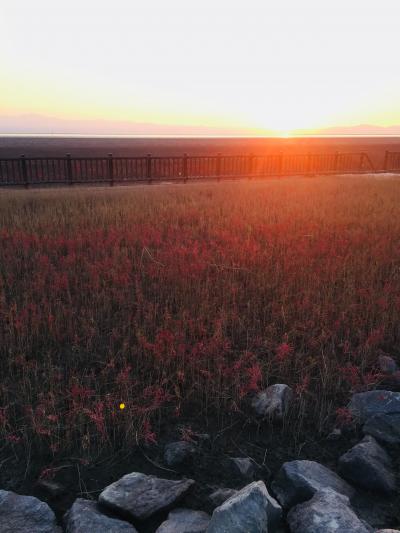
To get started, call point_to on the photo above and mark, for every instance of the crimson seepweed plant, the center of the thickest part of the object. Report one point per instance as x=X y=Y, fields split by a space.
x=119 y=308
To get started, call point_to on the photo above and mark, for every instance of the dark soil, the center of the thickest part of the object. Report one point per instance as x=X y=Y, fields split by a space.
x=270 y=446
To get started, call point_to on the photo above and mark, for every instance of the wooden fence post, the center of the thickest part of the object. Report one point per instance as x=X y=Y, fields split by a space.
x=185 y=167
x=385 y=161
x=251 y=166
x=69 y=169
x=280 y=163
x=24 y=171
x=336 y=161
x=218 y=169
x=308 y=163
x=148 y=168
x=360 y=166
x=110 y=169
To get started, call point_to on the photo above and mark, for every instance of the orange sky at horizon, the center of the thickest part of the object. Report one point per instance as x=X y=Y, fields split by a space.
x=274 y=66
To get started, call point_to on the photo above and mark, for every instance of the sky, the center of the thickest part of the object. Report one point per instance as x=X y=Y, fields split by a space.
x=277 y=66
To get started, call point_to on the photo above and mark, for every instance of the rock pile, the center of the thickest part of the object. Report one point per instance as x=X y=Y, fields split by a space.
x=305 y=495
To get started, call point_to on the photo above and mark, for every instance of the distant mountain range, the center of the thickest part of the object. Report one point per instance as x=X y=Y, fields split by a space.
x=40 y=124
x=361 y=129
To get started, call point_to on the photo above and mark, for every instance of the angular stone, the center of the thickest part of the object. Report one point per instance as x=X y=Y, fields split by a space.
x=25 y=514
x=140 y=496
x=274 y=512
x=385 y=428
x=243 y=467
x=326 y=512
x=387 y=364
x=273 y=401
x=298 y=481
x=185 y=521
x=363 y=405
x=177 y=453
x=52 y=488
x=219 y=496
x=369 y=466
x=246 y=511
x=85 y=515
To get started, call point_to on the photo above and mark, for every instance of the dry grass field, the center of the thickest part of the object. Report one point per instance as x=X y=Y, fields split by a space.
x=180 y=301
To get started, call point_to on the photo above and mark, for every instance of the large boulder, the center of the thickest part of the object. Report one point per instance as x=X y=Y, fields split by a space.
x=384 y=427
x=250 y=510
x=363 y=405
x=369 y=466
x=180 y=452
x=185 y=521
x=298 y=481
x=139 y=496
x=273 y=401
x=85 y=515
x=326 y=512
x=25 y=514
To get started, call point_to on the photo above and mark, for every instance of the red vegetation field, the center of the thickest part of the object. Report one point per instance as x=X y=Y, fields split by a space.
x=180 y=301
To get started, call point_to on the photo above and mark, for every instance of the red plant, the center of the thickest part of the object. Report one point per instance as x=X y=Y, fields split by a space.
x=283 y=352
x=344 y=417
x=184 y=302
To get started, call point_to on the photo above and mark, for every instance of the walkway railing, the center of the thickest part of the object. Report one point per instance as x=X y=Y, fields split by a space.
x=391 y=162
x=26 y=171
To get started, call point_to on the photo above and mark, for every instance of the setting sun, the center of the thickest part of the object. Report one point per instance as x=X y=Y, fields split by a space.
x=266 y=66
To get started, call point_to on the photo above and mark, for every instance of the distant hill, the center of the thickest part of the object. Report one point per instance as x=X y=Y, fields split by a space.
x=361 y=129
x=40 y=124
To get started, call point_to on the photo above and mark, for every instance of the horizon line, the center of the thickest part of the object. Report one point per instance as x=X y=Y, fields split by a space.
x=194 y=135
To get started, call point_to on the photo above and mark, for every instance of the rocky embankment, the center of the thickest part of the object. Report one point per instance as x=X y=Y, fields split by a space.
x=304 y=497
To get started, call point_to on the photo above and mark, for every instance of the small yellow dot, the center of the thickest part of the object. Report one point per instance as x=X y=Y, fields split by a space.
x=122 y=406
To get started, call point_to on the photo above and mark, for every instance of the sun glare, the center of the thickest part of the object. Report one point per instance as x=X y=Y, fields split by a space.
x=267 y=66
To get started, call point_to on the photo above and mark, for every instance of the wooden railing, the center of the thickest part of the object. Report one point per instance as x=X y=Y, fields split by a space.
x=391 y=162
x=26 y=171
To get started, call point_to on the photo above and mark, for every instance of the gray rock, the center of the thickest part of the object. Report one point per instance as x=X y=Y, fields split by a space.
x=219 y=496
x=388 y=531
x=385 y=428
x=25 y=514
x=85 y=516
x=243 y=467
x=274 y=512
x=387 y=364
x=273 y=401
x=139 y=496
x=326 y=512
x=52 y=488
x=375 y=510
x=366 y=404
x=185 y=521
x=246 y=511
x=298 y=481
x=369 y=466
x=177 y=453
x=335 y=434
